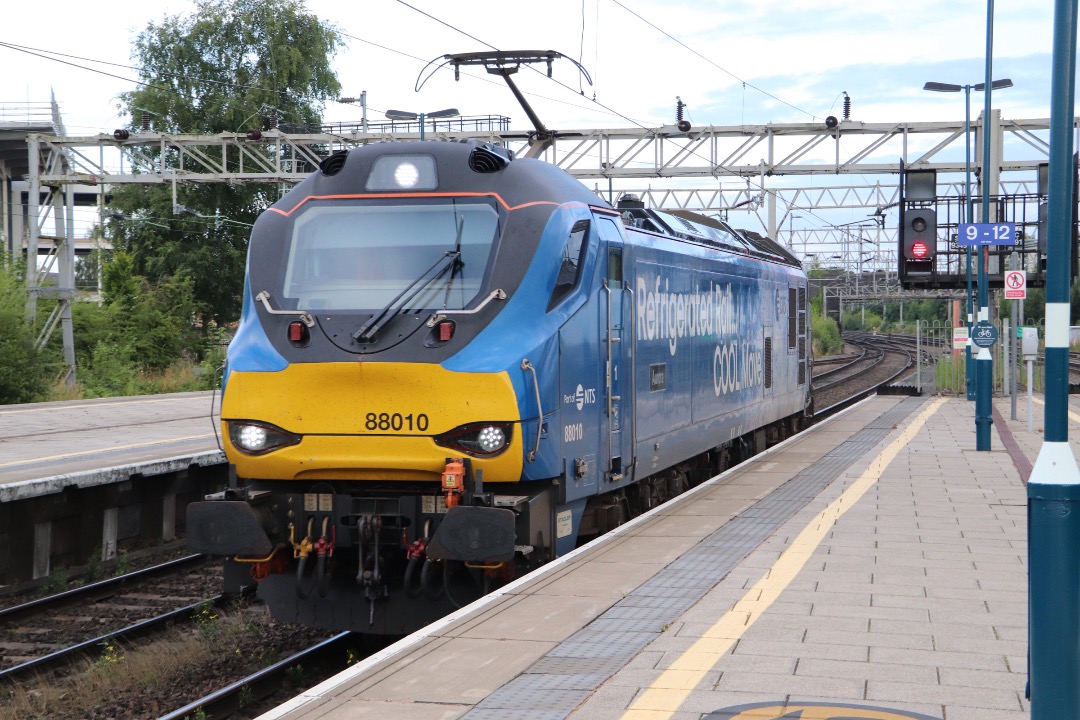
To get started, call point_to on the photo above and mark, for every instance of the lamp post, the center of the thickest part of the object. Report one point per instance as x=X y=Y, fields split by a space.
x=969 y=370
x=406 y=115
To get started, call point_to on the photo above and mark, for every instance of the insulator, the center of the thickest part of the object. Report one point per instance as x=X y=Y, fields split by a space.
x=273 y=119
x=847 y=106
x=679 y=105
x=146 y=122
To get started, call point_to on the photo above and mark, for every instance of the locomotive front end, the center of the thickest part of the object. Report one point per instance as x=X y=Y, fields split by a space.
x=367 y=466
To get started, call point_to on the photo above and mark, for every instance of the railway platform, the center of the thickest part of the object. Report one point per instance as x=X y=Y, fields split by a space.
x=873 y=567
x=90 y=479
x=46 y=447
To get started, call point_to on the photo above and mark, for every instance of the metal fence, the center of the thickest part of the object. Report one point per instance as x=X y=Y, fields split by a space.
x=947 y=370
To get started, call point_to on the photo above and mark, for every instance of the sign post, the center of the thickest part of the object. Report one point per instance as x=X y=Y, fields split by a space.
x=982 y=236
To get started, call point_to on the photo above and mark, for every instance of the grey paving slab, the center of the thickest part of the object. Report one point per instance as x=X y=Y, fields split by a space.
x=915 y=599
x=45 y=447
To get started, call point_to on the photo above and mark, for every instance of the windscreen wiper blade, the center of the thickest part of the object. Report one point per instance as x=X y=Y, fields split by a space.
x=367 y=331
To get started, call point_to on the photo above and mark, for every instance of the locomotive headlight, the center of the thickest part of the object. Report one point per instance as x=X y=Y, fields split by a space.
x=492 y=439
x=255 y=438
x=406 y=175
x=478 y=439
x=251 y=437
x=403 y=172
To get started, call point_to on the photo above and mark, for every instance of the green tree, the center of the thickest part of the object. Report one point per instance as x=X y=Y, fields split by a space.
x=230 y=66
x=148 y=325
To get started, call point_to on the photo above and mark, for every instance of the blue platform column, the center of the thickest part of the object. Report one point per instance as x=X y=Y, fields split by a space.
x=1054 y=487
x=984 y=363
x=969 y=361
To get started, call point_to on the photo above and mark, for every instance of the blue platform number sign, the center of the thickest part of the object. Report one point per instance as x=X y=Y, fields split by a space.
x=979 y=234
x=984 y=335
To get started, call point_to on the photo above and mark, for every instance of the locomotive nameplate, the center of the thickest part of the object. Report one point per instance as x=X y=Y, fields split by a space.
x=657 y=377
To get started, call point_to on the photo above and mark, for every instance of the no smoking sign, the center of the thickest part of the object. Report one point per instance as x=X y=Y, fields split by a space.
x=1015 y=285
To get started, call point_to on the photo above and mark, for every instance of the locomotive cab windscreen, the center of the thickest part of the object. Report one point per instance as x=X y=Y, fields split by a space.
x=362 y=256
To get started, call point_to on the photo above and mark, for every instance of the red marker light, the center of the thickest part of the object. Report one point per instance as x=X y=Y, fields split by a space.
x=446 y=331
x=297 y=332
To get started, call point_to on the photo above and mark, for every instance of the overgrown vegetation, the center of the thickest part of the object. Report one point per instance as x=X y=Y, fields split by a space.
x=152 y=679
x=176 y=274
x=23 y=377
x=825 y=331
x=144 y=337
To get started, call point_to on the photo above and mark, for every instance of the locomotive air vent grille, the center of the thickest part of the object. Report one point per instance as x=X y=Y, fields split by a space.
x=802 y=361
x=488 y=158
x=802 y=311
x=768 y=362
x=333 y=164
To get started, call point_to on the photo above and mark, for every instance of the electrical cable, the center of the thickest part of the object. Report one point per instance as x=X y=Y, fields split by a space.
x=760 y=188
x=715 y=65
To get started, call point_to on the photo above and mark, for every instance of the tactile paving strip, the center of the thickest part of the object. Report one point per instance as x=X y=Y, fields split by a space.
x=557 y=683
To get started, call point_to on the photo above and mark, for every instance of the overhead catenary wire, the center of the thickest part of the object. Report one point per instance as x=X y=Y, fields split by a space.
x=761 y=188
x=56 y=57
x=711 y=62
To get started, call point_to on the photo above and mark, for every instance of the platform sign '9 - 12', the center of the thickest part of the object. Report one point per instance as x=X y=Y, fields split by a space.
x=986 y=234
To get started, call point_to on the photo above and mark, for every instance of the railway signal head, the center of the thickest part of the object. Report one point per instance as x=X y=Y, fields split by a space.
x=918 y=240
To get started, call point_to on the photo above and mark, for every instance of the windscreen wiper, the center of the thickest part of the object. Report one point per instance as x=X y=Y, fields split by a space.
x=367 y=331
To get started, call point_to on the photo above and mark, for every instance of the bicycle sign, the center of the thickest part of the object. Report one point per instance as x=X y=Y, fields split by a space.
x=984 y=335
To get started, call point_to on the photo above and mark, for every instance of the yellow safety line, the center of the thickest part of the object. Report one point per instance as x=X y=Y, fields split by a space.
x=1072 y=416
x=107 y=449
x=667 y=694
x=53 y=408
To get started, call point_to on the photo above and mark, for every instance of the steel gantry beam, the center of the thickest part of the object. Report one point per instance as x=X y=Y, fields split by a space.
x=741 y=162
x=750 y=151
x=744 y=161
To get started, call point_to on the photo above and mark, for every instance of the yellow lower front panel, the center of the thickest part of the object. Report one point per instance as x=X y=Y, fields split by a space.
x=369 y=421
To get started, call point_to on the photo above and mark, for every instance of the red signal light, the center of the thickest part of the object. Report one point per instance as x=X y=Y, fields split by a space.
x=919 y=250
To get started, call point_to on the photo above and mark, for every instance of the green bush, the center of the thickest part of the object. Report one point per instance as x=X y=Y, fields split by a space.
x=110 y=372
x=142 y=339
x=826 y=336
x=23 y=372
x=854 y=321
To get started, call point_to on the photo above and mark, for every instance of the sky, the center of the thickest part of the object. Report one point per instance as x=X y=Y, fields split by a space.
x=731 y=61
x=795 y=58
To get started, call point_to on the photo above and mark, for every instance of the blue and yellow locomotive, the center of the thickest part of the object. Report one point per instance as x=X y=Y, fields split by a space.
x=453 y=366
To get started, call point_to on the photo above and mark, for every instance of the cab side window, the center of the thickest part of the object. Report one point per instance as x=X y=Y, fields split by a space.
x=572 y=260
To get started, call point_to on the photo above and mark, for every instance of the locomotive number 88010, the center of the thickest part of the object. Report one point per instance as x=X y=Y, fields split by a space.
x=453 y=366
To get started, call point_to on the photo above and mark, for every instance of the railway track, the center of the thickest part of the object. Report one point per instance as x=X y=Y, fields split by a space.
x=84 y=653
x=46 y=634
x=837 y=382
x=878 y=362
x=248 y=695
x=843 y=380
